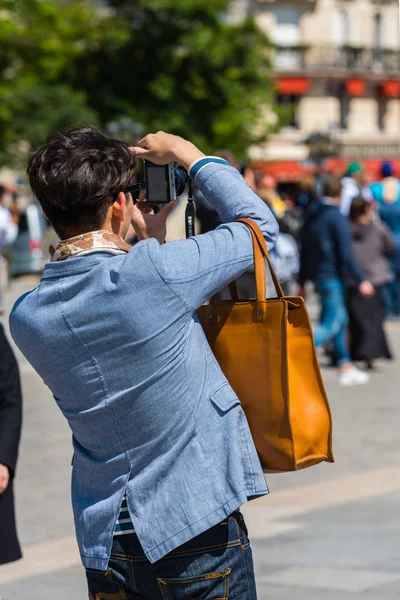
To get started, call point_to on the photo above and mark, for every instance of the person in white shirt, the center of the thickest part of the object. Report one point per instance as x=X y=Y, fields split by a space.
x=353 y=185
x=8 y=228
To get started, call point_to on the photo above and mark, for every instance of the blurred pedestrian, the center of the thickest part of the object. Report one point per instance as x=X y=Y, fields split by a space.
x=8 y=228
x=248 y=175
x=267 y=189
x=368 y=180
x=293 y=219
x=386 y=191
x=10 y=430
x=285 y=258
x=10 y=409
x=353 y=185
x=387 y=196
x=327 y=260
x=307 y=191
x=372 y=242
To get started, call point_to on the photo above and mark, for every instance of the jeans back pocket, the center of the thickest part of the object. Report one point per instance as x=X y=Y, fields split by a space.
x=210 y=585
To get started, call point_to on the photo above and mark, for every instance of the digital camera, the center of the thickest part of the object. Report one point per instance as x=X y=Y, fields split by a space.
x=164 y=182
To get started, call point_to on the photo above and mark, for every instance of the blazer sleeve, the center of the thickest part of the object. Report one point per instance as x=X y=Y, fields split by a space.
x=10 y=405
x=200 y=266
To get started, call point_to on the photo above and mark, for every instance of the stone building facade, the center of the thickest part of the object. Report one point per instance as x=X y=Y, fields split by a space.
x=337 y=66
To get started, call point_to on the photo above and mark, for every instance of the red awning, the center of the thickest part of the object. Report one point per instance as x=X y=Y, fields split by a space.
x=391 y=89
x=293 y=86
x=355 y=87
x=284 y=171
x=371 y=165
x=290 y=171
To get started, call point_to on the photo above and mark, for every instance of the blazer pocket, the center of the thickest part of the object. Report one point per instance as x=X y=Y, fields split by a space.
x=225 y=398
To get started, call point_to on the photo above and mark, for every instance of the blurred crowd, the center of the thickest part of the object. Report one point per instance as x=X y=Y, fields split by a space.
x=342 y=235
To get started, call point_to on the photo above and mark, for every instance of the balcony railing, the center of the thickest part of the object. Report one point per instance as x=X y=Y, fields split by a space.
x=336 y=58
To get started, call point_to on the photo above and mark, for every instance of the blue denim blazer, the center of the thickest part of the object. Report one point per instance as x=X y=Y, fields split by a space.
x=117 y=341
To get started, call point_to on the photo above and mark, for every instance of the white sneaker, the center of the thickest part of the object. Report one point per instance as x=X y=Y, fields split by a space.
x=353 y=376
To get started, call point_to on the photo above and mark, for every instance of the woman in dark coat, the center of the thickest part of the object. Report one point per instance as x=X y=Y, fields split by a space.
x=10 y=429
x=372 y=242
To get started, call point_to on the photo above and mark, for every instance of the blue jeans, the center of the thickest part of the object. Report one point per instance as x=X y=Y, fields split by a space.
x=334 y=319
x=216 y=565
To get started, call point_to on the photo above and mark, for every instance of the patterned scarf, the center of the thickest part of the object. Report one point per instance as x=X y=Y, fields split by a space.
x=87 y=243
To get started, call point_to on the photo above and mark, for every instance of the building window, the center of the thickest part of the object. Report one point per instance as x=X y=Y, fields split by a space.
x=342 y=29
x=287 y=30
x=378 y=31
x=288 y=110
x=378 y=41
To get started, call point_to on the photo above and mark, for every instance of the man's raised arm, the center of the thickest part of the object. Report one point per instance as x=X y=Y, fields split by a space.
x=202 y=265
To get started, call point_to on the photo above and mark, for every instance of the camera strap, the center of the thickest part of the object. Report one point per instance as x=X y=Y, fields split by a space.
x=190 y=213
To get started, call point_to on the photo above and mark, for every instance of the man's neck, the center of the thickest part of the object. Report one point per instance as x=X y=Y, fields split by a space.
x=76 y=234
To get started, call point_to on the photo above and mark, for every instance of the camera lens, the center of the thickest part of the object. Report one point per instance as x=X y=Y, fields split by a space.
x=181 y=179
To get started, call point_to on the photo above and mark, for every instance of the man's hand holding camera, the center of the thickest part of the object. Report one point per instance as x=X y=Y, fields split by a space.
x=149 y=225
x=160 y=148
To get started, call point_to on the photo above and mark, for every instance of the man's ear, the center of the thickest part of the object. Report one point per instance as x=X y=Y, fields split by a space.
x=119 y=206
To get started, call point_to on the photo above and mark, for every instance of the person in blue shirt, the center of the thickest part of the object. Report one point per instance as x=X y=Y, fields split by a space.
x=163 y=454
x=386 y=193
x=327 y=260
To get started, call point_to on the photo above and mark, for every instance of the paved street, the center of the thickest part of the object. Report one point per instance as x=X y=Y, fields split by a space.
x=329 y=533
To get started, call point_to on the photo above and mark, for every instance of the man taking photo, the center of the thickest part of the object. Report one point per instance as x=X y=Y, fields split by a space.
x=163 y=456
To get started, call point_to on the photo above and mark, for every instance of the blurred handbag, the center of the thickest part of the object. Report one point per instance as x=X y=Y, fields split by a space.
x=266 y=350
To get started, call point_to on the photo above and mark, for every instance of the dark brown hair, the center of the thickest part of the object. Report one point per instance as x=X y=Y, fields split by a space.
x=77 y=175
x=358 y=208
x=332 y=187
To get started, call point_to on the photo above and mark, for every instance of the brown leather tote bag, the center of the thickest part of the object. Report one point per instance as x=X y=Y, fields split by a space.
x=266 y=350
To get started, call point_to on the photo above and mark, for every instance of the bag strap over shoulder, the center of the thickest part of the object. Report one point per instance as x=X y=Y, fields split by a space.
x=261 y=252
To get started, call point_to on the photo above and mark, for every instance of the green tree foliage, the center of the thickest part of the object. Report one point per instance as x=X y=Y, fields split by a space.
x=40 y=44
x=185 y=70
x=166 y=64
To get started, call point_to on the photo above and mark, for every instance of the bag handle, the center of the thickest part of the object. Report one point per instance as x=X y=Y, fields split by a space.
x=260 y=252
x=260 y=248
x=260 y=277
